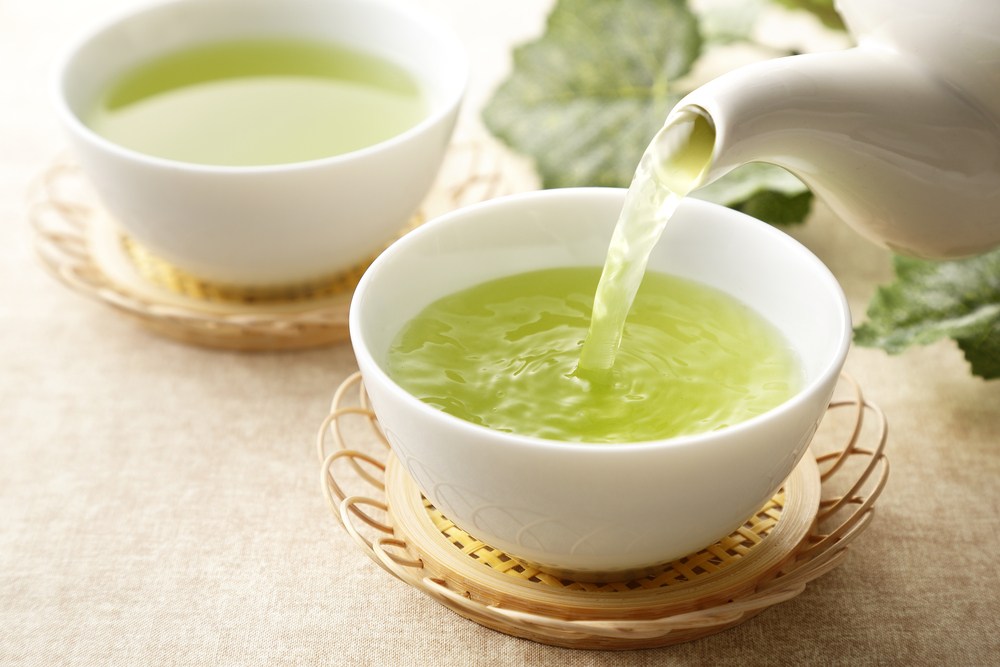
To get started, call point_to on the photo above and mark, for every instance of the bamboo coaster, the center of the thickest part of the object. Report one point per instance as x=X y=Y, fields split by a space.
x=81 y=246
x=719 y=572
x=158 y=271
x=802 y=533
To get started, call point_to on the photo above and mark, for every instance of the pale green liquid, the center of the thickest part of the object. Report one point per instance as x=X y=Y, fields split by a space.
x=504 y=354
x=258 y=102
x=672 y=166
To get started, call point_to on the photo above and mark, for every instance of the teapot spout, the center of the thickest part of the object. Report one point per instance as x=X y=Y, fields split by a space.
x=895 y=152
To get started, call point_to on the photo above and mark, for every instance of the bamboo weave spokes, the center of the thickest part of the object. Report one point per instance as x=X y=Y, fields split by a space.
x=693 y=597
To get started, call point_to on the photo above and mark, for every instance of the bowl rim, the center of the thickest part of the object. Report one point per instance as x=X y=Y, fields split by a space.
x=826 y=377
x=444 y=40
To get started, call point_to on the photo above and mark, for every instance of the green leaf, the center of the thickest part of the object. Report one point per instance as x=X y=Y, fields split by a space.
x=727 y=21
x=823 y=9
x=959 y=299
x=764 y=191
x=586 y=98
x=777 y=208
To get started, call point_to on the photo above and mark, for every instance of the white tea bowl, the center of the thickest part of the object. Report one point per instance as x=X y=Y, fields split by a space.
x=598 y=509
x=272 y=224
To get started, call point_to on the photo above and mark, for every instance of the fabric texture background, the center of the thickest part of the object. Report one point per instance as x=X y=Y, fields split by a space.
x=160 y=504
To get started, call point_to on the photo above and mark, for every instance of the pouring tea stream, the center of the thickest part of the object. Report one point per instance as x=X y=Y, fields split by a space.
x=899 y=135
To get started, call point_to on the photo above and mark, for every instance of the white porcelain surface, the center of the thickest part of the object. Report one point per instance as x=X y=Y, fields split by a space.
x=269 y=224
x=599 y=507
x=900 y=136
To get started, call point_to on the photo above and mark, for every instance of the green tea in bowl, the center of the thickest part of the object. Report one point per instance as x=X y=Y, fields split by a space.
x=558 y=493
x=251 y=143
x=257 y=102
x=615 y=355
x=505 y=354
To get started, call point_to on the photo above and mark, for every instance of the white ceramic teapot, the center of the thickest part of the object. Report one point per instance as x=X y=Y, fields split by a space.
x=900 y=135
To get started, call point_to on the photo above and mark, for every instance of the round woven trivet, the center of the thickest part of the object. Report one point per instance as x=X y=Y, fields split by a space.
x=799 y=535
x=83 y=247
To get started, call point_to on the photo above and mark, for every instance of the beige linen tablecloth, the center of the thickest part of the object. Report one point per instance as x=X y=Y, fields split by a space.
x=160 y=504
